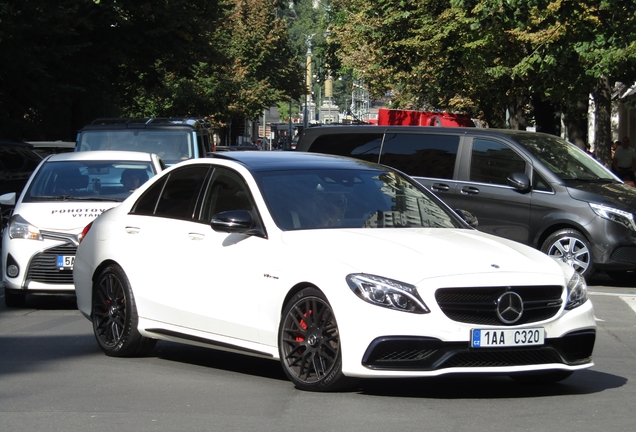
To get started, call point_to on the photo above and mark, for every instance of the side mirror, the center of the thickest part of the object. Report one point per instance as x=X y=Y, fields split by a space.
x=232 y=221
x=468 y=217
x=236 y=221
x=519 y=181
x=8 y=199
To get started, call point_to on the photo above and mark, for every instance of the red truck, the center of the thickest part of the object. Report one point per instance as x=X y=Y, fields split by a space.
x=388 y=117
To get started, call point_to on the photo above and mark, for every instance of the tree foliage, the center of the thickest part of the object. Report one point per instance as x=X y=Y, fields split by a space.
x=484 y=56
x=66 y=62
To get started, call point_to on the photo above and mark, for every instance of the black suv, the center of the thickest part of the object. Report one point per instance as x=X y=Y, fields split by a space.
x=173 y=139
x=530 y=187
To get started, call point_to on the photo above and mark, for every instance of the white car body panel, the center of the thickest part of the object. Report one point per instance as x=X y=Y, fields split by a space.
x=60 y=222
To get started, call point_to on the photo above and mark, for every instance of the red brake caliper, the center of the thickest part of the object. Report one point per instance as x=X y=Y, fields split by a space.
x=303 y=324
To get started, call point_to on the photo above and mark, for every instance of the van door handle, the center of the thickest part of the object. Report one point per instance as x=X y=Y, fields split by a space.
x=440 y=187
x=196 y=236
x=469 y=190
x=132 y=230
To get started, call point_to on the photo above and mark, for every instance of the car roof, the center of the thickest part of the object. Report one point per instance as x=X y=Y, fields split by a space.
x=284 y=160
x=146 y=123
x=105 y=155
x=332 y=129
x=16 y=144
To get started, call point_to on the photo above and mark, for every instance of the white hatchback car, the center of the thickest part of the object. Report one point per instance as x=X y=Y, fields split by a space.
x=64 y=193
x=339 y=268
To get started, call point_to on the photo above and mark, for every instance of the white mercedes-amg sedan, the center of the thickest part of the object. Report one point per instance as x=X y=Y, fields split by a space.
x=338 y=268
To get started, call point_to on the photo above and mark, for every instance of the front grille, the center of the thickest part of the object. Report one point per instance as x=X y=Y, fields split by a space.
x=427 y=354
x=43 y=266
x=479 y=305
x=625 y=254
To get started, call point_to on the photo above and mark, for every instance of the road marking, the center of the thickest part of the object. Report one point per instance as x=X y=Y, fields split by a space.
x=630 y=300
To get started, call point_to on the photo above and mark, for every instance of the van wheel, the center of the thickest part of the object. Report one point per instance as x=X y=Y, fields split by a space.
x=571 y=247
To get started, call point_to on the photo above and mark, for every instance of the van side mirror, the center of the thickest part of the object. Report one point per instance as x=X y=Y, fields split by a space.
x=519 y=181
x=468 y=217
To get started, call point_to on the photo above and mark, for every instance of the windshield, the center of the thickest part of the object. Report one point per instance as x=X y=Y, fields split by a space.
x=564 y=159
x=311 y=199
x=88 y=180
x=171 y=146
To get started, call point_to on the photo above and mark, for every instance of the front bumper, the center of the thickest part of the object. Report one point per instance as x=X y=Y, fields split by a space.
x=37 y=264
x=397 y=344
x=430 y=354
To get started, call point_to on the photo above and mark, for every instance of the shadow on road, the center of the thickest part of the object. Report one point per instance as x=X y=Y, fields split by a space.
x=490 y=387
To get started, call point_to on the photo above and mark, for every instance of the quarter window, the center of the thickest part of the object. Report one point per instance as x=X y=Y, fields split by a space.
x=493 y=162
x=365 y=146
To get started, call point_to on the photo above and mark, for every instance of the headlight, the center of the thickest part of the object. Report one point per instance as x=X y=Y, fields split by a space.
x=616 y=215
x=19 y=228
x=387 y=293
x=577 y=292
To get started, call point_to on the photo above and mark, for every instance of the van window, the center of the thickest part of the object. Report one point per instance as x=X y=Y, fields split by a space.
x=539 y=183
x=365 y=146
x=421 y=155
x=492 y=162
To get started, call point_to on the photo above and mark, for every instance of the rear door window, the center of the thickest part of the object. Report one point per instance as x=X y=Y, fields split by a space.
x=421 y=155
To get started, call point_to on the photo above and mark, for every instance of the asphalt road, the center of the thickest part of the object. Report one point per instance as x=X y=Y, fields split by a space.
x=53 y=377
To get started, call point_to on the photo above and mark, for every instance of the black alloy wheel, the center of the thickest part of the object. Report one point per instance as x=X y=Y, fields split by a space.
x=309 y=343
x=115 y=316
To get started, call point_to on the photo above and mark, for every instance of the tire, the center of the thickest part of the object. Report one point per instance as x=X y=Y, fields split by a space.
x=14 y=299
x=309 y=344
x=547 y=377
x=571 y=247
x=115 y=316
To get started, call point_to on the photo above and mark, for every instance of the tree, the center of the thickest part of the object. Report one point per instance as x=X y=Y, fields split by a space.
x=67 y=62
x=486 y=57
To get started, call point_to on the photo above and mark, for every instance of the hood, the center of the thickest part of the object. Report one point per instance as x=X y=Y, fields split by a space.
x=58 y=216
x=412 y=255
x=617 y=195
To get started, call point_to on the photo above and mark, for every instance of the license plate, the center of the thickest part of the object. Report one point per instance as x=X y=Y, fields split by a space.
x=493 y=338
x=65 y=262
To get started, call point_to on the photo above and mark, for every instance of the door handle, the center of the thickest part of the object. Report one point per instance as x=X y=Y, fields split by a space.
x=470 y=190
x=440 y=187
x=132 y=230
x=196 y=236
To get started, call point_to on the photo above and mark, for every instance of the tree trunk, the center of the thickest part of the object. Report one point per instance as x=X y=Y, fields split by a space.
x=602 y=121
x=517 y=118
x=544 y=115
x=576 y=121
